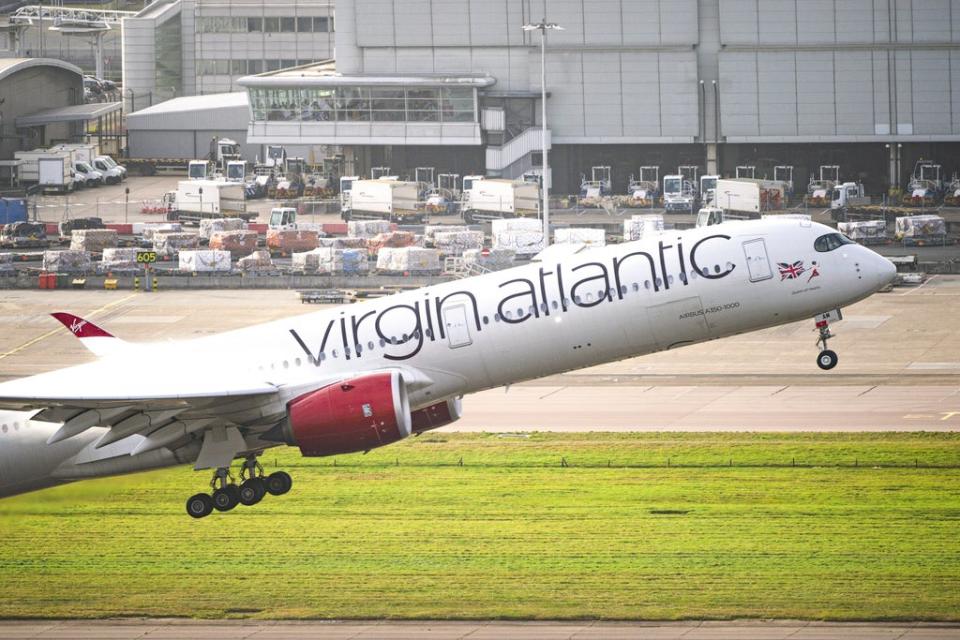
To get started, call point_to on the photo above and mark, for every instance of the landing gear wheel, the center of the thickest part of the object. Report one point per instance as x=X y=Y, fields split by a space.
x=827 y=359
x=199 y=505
x=252 y=491
x=279 y=482
x=226 y=498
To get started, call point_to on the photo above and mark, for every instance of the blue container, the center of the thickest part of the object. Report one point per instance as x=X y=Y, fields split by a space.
x=13 y=210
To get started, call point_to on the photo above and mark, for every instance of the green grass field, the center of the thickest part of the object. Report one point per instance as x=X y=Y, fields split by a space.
x=822 y=526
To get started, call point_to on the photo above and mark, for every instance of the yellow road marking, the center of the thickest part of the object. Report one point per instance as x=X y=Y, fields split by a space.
x=95 y=312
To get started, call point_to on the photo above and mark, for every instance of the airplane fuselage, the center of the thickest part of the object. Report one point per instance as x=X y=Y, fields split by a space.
x=460 y=337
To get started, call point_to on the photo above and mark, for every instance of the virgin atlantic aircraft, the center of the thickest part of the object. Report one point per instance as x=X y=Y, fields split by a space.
x=362 y=376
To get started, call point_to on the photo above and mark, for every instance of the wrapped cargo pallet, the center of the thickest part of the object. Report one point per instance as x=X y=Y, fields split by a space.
x=431 y=230
x=238 y=243
x=489 y=259
x=408 y=260
x=344 y=243
x=152 y=229
x=640 y=225
x=93 y=240
x=367 y=228
x=356 y=261
x=864 y=230
x=71 y=261
x=6 y=263
x=925 y=226
x=391 y=239
x=124 y=259
x=322 y=260
x=210 y=227
x=292 y=241
x=455 y=243
x=205 y=261
x=256 y=261
x=576 y=235
x=523 y=235
x=169 y=243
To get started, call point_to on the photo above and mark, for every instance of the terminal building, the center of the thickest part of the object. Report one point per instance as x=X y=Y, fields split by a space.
x=870 y=85
x=176 y=48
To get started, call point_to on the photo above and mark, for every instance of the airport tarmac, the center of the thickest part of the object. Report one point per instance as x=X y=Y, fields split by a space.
x=384 y=630
x=899 y=364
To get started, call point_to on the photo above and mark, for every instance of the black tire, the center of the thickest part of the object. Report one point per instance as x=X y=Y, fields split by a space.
x=225 y=499
x=467 y=217
x=199 y=505
x=279 y=482
x=827 y=359
x=252 y=491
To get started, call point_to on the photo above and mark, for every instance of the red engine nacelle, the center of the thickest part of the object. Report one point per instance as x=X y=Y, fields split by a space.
x=352 y=415
x=437 y=415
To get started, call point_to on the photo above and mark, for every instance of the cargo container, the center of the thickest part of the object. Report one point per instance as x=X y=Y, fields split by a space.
x=196 y=200
x=382 y=199
x=57 y=169
x=12 y=210
x=495 y=199
x=749 y=196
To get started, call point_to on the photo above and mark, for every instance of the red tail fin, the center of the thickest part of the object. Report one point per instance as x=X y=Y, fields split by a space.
x=80 y=327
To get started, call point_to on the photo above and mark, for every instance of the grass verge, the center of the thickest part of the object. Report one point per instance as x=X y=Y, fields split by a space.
x=551 y=526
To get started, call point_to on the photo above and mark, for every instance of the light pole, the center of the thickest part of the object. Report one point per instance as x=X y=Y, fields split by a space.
x=542 y=27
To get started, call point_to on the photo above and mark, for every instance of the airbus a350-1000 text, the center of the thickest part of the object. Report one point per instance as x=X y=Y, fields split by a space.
x=362 y=376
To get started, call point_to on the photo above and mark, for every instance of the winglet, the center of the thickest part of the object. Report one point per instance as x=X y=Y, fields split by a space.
x=91 y=336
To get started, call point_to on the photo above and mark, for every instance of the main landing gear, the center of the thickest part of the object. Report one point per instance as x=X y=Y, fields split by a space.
x=826 y=359
x=226 y=495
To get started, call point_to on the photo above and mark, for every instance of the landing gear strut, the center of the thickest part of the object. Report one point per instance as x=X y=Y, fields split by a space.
x=826 y=359
x=226 y=495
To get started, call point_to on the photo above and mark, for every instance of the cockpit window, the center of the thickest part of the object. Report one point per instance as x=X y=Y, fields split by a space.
x=831 y=241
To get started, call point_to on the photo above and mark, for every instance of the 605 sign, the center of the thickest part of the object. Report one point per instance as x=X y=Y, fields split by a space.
x=146 y=257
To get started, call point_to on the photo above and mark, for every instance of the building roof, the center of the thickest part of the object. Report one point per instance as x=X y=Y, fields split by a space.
x=75 y=113
x=9 y=66
x=195 y=103
x=324 y=74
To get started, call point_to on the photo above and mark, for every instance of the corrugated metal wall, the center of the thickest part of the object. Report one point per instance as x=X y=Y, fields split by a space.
x=839 y=69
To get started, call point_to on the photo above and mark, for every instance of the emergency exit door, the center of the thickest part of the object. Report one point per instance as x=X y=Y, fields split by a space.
x=758 y=263
x=456 y=327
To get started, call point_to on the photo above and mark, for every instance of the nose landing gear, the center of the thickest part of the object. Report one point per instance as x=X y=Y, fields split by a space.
x=226 y=495
x=826 y=359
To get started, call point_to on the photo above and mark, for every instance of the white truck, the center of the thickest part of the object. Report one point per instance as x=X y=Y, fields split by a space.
x=380 y=199
x=236 y=171
x=86 y=174
x=491 y=199
x=708 y=190
x=749 y=196
x=55 y=173
x=195 y=200
x=848 y=194
x=678 y=194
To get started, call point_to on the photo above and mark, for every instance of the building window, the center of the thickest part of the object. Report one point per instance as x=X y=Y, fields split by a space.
x=254 y=25
x=238 y=67
x=286 y=64
x=456 y=104
x=318 y=105
x=304 y=25
x=254 y=66
x=423 y=105
x=271 y=65
x=288 y=25
x=354 y=104
x=322 y=25
x=387 y=105
x=271 y=25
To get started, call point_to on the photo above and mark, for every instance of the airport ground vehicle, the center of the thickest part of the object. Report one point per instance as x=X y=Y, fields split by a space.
x=491 y=199
x=339 y=381
x=195 y=200
x=383 y=199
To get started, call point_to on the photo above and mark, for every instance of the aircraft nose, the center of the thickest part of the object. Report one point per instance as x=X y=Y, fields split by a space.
x=885 y=270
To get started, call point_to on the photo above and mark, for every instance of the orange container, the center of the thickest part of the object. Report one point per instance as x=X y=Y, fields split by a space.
x=42 y=281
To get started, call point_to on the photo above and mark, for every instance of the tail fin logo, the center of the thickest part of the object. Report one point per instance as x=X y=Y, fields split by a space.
x=77 y=326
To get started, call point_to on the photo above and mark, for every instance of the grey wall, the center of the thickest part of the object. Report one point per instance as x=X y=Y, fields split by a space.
x=146 y=143
x=622 y=71
x=841 y=70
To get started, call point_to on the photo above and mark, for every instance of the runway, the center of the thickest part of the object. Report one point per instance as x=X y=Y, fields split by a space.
x=380 y=630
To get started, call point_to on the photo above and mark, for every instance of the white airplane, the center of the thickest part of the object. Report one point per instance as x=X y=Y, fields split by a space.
x=362 y=376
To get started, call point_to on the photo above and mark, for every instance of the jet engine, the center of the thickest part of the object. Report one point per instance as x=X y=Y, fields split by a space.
x=357 y=414
x=437 y=415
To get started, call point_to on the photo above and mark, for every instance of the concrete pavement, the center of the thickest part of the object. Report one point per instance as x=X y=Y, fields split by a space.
x=384 y=630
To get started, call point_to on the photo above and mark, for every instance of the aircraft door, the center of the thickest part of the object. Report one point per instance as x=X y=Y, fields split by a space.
x=455 y=323
x=758 y=263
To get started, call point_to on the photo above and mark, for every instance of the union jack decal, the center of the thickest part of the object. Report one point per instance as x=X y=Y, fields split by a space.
x=791 y=271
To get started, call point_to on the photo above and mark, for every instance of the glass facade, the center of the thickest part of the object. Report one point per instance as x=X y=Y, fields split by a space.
x=364 y=104
x=244 y=67
x=235 y=24
x=169 y=71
